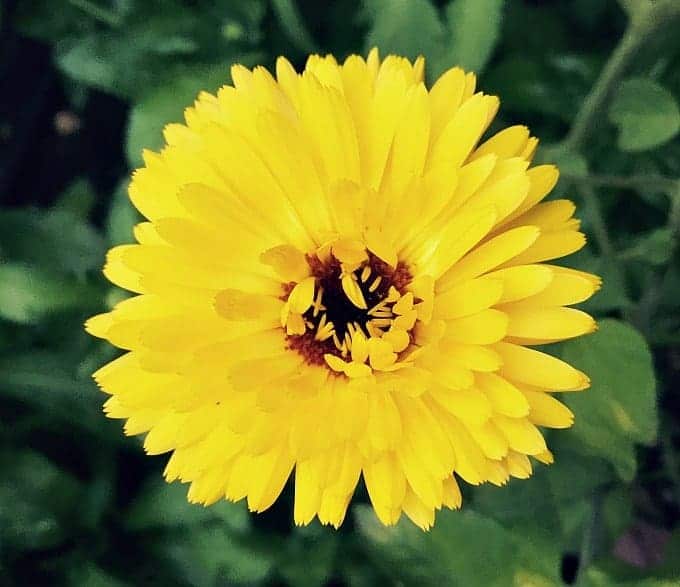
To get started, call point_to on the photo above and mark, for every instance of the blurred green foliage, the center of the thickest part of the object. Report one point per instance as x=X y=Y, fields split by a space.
x=81 y=505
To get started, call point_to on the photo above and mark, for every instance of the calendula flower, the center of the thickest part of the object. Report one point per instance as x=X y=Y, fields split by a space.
x=336 y=281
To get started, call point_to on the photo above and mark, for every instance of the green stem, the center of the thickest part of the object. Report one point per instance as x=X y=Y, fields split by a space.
x=600 y=231
x=97 y=12
x=292 y=23
x=650 y=300
x=645 y=19
x=634 y=182
x=590 y=540
x=671 y=462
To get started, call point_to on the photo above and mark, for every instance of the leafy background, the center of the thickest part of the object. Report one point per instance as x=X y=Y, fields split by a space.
x=87 y=83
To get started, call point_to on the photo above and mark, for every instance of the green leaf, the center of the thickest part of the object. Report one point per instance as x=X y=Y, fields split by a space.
x=38 y=501
x=620 y=408
x=309 y=556
x=151 y=40
x=165 y=505
x=474 y=27
x=617 y=513
x=413 y=27
x=463 y=548
x=646 y=114
x=557 y=495
x=654 y=247
x=122 y=217
x=530 y=82
x=598 y=577
x=210 y=555
x=46 y=381
x=405 y=27
x=58 y=240
x=78 y=199
x=28 y=294
x=91 y=574
x=291 y=22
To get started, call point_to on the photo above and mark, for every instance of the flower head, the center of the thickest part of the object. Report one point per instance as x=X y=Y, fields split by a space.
x=337 y=280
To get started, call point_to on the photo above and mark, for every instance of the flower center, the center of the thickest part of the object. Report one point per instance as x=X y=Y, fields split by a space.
x=367 y=300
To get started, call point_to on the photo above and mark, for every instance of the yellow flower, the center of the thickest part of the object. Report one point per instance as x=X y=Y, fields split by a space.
x=336 y=280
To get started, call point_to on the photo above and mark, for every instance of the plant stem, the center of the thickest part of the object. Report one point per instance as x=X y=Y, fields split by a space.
x=599 y=225
x=97 y=12
x=589 y=542
x=671 y=461
x=635 y=182
x=650 y=300
x=645 y=19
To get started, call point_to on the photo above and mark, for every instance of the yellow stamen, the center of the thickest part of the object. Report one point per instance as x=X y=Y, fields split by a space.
x=318 y=306
x=325 y=329
x=365 y=274
x=373 y=330
x=377 y=308
x=353 y=291
x=375 y=284
x=383 y=314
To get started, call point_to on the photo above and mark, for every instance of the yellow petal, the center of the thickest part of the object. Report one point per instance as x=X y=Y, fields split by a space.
x=268 y=475
x=470 y=405
x=491 y=254
x=509 y=142
x=535 y=368
x=485 y=327
x=302 y=296
x=418 y=512
x=445 y=98
x=543 y=179
x=551 y=245
x=474 y=357
x=518 y=465
x=522 y=281
x=548 y=215
x=381 y=354
x=252 y=373
x=446 y=372
x=163 y=436
x=521 y=434
x=384 y=421
x=546 y=457
x=234 y=304
x=489 y=438
x=288 y=262
x=308 y=479
x=359 y=347
x=452 y=498
x=378 y=244
x=547 y=324
x=463 y=233
x=468 y=297
x=547 y=411
x=398 y=339
x=461 y=133
x=386 y=485
x=567 y=287
x=505 y=398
